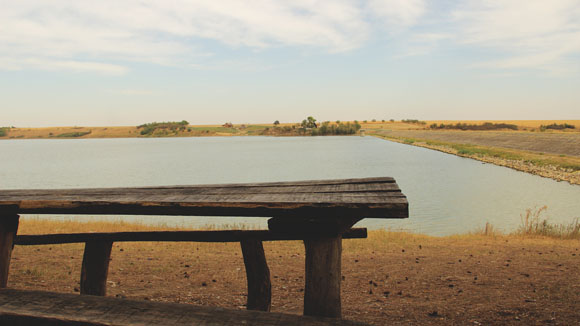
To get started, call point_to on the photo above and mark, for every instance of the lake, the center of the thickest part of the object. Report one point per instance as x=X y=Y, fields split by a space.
x=447 y=194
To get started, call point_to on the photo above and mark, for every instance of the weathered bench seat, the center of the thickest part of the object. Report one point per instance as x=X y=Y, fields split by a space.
x=22 y=308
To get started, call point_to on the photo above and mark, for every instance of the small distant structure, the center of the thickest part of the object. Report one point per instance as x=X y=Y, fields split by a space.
x=228 y=125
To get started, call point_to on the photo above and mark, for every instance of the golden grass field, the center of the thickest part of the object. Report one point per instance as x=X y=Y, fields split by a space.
x=390 y=278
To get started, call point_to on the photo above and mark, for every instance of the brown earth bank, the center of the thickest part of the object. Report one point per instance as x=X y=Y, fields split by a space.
x=390 y=278
x=557 y=166
x=543 y=142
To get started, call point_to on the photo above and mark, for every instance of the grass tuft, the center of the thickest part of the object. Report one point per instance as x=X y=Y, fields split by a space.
x=533 y=224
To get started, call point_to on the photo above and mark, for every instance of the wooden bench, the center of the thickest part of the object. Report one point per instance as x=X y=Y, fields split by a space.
x=321 y=213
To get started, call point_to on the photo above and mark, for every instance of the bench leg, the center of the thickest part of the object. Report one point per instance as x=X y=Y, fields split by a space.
x=95 y=268
x=323 y=277
x=8 y=229
x=258 y=275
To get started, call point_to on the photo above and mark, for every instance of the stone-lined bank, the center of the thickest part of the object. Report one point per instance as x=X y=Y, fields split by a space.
x=547 y=171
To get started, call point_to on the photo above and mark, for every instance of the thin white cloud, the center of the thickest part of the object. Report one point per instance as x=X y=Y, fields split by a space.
x=170 y=32
x=52 y=64
x=131 y=92
x=525 y=33
x=422 y=44
x=398 y=14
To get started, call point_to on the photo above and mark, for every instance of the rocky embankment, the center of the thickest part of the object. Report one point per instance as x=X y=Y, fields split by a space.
x=547 y=171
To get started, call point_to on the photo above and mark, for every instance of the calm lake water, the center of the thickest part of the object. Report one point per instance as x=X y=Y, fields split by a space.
x=447 y=194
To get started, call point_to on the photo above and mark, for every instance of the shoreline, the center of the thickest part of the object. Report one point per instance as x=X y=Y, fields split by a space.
x=547 y=171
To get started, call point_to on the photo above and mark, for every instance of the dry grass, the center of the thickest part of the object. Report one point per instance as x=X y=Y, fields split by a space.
x=390 y=278
x=533 y=224
x=54 y=132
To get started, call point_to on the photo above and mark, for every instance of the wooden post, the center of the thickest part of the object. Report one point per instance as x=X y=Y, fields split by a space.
x=258 y=275
x=8 y=229
x=323 y=277
x=95 y=267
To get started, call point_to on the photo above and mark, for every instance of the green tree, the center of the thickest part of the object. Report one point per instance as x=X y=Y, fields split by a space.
x=309 y=122
x=276 y=123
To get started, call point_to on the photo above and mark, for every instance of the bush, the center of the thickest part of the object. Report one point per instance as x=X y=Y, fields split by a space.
x=74 y=134
x=337 y=129
x=149 y=129
x=4 y=131
x=415 y=121
x=484 y=126
x=556 y=126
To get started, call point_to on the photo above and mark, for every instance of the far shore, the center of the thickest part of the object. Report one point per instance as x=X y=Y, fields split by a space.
x=81 y=132
x=531 y=148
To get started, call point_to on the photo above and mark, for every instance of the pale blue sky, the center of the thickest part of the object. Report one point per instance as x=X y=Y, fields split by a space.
x=128 y=62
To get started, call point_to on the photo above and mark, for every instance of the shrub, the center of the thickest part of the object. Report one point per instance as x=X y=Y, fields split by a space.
x=556 y=126
x=74 y=134
x=415 y=121
x=163 y=127
x=484 y=126
x=338 y=129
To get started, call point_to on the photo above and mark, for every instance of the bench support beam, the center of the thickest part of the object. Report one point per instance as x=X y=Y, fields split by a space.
x=323 y=277
x=8 y=229
x=258 y=275
x=95 y=268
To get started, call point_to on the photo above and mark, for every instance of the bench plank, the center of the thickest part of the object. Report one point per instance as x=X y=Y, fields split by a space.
x=177 y=236
x=20 y=307
x=368 y=197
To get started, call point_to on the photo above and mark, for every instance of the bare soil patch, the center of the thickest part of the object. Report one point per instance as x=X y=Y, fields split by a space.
x=390 y=278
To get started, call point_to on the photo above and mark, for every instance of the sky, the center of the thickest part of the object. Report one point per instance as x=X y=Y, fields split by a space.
x=115 y=63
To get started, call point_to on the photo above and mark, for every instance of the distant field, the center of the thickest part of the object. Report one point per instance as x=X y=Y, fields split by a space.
x=129 y=132
x=528 y=124
x=523 y=125
x=258 y=129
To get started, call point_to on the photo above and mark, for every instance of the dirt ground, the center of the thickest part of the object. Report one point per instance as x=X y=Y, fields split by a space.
x=388 y=279
x=567 y=143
